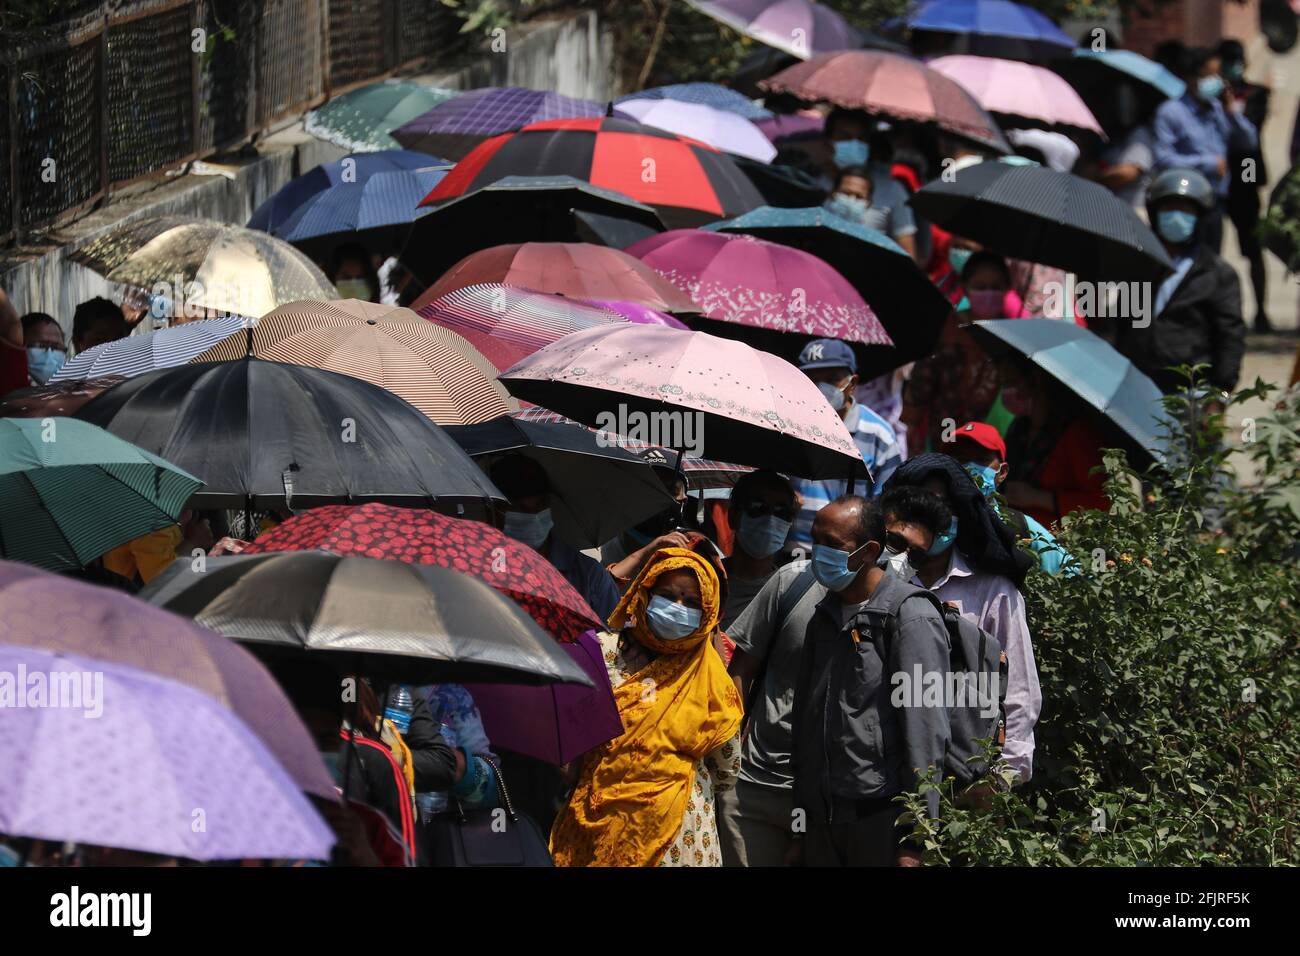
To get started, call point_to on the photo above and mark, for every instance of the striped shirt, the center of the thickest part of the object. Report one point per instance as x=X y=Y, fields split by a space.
x=879 y=449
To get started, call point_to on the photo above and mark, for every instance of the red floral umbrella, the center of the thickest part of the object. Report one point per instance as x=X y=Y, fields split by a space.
x=418 y=536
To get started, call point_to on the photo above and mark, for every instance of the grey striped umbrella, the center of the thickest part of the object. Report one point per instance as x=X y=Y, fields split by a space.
x=137 y=354
x=72 y=492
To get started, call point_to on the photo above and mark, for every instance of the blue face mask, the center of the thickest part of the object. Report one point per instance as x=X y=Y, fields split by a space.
x=1210 y=87
x=834 y=394
x=672 y=621
x=529 y=529
x=851 y=152
x=852 y=208
x=762 y=537
x=986 y=477
x=830 y=566
x=43 y=363
x=942 y=542
x=957 y=258
x=1175 y=225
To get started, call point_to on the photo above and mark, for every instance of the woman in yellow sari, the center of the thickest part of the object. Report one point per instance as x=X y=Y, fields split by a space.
x=646 y=798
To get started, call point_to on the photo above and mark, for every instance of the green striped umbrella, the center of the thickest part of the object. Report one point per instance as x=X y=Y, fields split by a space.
x=72 y=491
x=361 y=119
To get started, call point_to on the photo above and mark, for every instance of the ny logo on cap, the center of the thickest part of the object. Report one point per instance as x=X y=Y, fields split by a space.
x=816 y=352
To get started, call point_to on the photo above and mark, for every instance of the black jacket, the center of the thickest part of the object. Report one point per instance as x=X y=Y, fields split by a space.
x=1200 y=324
x=432 y=757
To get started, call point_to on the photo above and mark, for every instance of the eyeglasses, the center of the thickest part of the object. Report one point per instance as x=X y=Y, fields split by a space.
x=757 y=509
x=897 y=543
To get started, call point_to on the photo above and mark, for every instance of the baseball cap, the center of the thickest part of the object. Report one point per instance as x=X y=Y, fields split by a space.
x=984 y=435
x=827 y=353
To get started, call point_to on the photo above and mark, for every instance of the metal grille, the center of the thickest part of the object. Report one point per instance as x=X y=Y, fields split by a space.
x=361 y=40
x=289 y=72
x=225 y=68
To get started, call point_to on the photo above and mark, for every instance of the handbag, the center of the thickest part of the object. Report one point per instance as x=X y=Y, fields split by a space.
x=491 y=836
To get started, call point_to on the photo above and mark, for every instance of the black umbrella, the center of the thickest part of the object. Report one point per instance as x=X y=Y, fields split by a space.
x=1041 y=215
x=265 y=434
x=597 y=488
x=407 y=623
x=613 y=231
x=514 y=209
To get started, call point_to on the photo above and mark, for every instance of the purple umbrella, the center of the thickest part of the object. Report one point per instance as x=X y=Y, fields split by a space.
x=141 y=762
x=798 y=27
x=556 y=723
x=55 y=614
x=640 y=314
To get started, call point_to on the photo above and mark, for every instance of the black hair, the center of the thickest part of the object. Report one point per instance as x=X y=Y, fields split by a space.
x=1191 y=59
x=916 y=505
x=1170 y=54
x=93 y=311
x=984 y=258
x=871 y=520
x=1231 y=51
x=840 y=113
x=32 y=319
x=859 y=172
x=519 y=476
x=983 y=455
x=748 y=484
x=354 y=251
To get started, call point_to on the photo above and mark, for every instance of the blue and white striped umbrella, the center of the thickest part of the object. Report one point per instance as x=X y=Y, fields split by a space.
x=377 y=209
x=165 y=348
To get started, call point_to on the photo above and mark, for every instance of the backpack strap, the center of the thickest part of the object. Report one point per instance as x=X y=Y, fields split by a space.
x=799 y=586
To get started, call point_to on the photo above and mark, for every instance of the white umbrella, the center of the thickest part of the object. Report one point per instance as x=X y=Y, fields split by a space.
x=721 y=129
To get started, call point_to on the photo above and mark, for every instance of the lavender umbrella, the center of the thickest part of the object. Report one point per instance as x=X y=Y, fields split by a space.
x=638 y=313
x=798 y=27
x=722 y=130
x=143 y=763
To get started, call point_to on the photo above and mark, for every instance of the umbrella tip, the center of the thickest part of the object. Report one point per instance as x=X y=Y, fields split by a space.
x=609 y=108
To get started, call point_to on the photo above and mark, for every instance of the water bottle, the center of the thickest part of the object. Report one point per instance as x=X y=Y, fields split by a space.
x=400 y=706
x=435 y=801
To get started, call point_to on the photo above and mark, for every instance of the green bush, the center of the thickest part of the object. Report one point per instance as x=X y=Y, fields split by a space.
x=1170 y=671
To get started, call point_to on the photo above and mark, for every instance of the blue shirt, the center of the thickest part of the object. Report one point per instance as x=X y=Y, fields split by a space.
x=1194 y=134
x=589 y=578
x=880 y=451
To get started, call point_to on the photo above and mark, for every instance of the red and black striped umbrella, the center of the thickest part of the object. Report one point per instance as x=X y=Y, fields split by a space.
x=688 y=182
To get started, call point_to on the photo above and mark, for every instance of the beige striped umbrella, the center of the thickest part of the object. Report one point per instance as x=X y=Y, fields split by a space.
x=431 y=367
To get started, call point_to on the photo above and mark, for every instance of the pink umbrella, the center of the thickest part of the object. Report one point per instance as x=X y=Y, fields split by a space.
x=638 y=313
x=694 y=392
x=1018 y=90
x=748 y=281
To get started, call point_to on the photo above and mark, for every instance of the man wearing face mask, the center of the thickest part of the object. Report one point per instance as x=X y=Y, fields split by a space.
x=761 y=511
x=832 y=365
x=46 y=351
x=848 y=134
x=525 y=483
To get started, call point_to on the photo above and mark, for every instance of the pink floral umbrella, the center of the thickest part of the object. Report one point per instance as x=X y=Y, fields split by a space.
x=691 y=391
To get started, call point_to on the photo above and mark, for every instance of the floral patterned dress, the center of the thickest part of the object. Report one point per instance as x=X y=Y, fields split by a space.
x=696 y=843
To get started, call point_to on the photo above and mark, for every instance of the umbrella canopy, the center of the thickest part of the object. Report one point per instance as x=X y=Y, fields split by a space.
x=747 y=281
x=418 y=536
x=73 y=491
x=263 y=434
x=219 y=267
x=613 y=231
x=162 y=348
x=992 y=28
x=455 y=127
x=1119 y=86
x=640 y=314
x=507 y=324
x=354 y=168
x=575 y=269
x=1090 y=367
x=706 y=94
x=62 y=616
x=689 y=183
x=582 y=468
x=1041 y=215
x=157 y=753
x=514 y=209
x=902 y=297
x=741 y=404
x=1021 y=94
x=433 y=368
x=722 y=130
x=798 y=27
x=55 y=398
x=891 y=85
x=412 y=623
x=361 y=119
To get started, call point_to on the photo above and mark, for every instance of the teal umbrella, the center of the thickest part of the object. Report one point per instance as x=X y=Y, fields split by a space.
x=72 y=492
x=1089 y=367
x=361 y=119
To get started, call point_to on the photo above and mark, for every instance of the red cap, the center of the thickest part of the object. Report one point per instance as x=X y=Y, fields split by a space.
x=984 y=435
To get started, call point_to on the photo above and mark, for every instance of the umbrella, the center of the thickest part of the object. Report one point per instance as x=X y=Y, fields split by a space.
x=354 y=168
x=1105 y=78
x=1020 y=94
x=162 y=769
x=583 y=468
x=455 y=127
x=208 y=265
x=613 y=231
x=73 y=492
x=262 y=434
x=902 y=297
x=640 y=314
x=891 y=85
x=764 y=61
x=378 y=213
x=706 y=94
x=418 y=536
x=408 y=623
x=742 y=280
x=55 y=398
x=1038 y=214
x=61 y=616
x=1089 y=367
x=433 y=368
x=507 y=324
x=162 y=348
x=361 y=119
x=558 y=723
x=742 y=405
x=793 y=126
x=575 y=269
x=722 y=130
x=992 y=28
x=514 y=209
x=798 y=27
x=687 y=182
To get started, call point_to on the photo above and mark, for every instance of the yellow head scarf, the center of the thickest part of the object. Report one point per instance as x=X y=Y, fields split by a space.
x=632 y=792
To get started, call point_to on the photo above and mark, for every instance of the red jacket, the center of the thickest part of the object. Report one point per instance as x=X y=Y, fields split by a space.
x=1065 y=473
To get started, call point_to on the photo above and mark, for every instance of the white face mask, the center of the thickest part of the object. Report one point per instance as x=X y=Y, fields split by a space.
x=897 y=564
x=355 y=289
